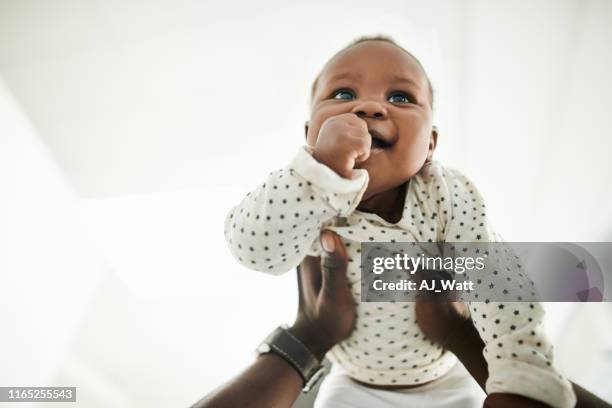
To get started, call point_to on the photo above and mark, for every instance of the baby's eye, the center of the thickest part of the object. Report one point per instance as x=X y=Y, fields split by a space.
x=344 y=95
x=400 y=97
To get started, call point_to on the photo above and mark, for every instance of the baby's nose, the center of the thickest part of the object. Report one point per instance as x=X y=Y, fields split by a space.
x=370 y=109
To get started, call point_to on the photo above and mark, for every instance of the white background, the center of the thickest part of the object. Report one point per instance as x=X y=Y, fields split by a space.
x=129 y=128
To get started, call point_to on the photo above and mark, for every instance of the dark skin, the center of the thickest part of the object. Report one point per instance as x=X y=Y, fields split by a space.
x=374 y=116
x=326 y=312
x=326 y=315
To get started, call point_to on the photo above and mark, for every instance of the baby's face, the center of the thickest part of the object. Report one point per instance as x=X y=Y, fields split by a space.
x=388 y=89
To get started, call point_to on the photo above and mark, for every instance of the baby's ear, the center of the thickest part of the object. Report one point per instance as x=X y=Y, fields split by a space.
x=306 y=129
x=433 y=142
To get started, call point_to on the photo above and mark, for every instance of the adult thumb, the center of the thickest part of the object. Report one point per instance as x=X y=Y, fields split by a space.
x=333 y=262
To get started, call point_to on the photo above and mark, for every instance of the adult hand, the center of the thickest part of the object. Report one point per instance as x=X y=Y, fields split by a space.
x=448 y=323
x=326 y=313
x=444 y=322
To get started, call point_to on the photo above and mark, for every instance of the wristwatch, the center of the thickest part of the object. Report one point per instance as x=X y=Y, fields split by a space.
x=285 y=345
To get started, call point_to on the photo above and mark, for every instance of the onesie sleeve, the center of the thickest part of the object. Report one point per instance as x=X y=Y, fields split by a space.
x=276 y=225
x=517 y=350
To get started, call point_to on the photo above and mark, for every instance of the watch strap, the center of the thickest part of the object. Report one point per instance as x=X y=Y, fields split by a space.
x=284 y=344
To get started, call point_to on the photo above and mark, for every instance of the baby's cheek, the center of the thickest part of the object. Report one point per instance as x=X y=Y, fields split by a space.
x=414 y=148
x=317 y=118
x=412 y=153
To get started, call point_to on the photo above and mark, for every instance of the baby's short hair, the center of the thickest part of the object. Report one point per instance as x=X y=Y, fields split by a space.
x=386 y=39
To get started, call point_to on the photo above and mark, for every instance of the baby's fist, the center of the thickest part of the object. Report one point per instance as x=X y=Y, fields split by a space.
x=343 y=141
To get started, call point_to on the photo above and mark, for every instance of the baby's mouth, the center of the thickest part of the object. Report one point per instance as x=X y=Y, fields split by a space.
x=378 y=142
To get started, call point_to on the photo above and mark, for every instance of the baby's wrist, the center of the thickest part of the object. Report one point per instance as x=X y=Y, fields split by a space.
x=329 y=160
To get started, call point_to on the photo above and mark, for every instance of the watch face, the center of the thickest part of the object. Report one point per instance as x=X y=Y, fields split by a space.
x=263 y=348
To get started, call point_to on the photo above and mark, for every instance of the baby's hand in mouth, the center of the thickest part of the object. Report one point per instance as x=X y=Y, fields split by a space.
x=344 y=142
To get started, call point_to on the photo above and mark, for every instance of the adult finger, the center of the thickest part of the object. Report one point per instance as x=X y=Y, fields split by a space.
x=333 y=263
x=309 y=279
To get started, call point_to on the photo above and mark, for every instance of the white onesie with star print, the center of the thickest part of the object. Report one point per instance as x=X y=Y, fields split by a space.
x=279 y=223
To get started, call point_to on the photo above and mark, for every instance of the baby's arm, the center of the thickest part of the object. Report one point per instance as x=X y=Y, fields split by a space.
x=275 y=226
x=518 y=353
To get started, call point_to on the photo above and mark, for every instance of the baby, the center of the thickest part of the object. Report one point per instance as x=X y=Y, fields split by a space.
x=367 y=173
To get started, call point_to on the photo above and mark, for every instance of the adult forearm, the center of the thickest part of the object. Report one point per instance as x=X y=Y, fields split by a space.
x=269 y=382
x=586 y=399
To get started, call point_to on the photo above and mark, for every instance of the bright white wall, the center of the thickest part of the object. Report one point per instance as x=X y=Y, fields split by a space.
x=46 y=272
x=538 y=134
